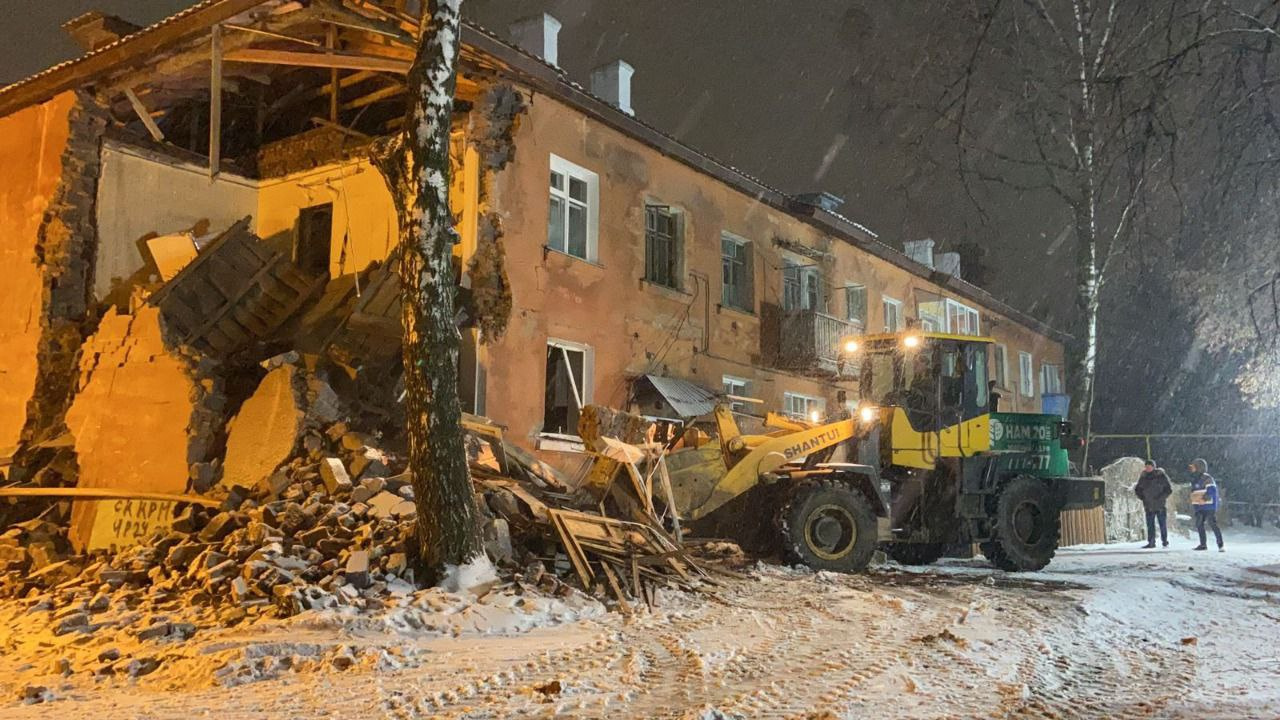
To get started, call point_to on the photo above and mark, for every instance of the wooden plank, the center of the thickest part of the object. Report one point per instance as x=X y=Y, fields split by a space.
x=664 y=478
x=273 y=35
x=576 y=556
x=84 y=493
x=617 y=591
x=373 y=97
x=331 y=42
x=215 y=101
x=319 y=60
x=144 y=115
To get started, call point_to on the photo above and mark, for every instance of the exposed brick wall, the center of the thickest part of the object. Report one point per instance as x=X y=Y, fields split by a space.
x=65 y=251
x=31 y=147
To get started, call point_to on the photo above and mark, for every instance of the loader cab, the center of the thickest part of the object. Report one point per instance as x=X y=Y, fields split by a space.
x=939 y=380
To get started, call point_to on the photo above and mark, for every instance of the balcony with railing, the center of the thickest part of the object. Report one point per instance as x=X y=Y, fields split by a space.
x=803 y=341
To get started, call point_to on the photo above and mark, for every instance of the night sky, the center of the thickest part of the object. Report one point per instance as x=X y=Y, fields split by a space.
x=799 y=94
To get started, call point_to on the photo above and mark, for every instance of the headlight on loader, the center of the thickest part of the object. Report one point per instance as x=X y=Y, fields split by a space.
x=868 y=413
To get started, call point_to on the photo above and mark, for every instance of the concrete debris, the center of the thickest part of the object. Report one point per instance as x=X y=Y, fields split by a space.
x=334 y=475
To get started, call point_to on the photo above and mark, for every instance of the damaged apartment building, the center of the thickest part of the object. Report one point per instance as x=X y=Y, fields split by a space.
x=188 y=203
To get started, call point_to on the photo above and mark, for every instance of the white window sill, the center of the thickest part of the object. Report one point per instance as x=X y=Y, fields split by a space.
x=552 y=251
x=556 y=442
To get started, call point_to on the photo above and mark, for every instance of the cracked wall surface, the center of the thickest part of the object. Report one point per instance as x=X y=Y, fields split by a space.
x=137 y=417
x=31 y=146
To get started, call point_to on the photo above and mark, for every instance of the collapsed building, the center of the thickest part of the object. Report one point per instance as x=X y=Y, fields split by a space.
x=201 y=256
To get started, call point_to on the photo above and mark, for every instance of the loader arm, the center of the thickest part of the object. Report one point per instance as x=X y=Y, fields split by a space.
x=756 y=455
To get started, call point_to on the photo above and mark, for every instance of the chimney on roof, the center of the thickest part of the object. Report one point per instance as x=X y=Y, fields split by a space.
x=949 y=264
x=612 y=82
x=539 y=35
x=920 y=250
x=821 y=200
x=95 y=29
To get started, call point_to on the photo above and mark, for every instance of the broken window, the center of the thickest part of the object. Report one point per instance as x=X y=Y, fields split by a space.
x=572 y=211
x=735 y=265
x=855 y=302
x=315 y=238
x=567 y=387
x=662 y=246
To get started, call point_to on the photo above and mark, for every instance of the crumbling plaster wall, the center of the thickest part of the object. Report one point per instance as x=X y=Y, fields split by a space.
x=31 y=146
x=141 y=416
x=142 y=193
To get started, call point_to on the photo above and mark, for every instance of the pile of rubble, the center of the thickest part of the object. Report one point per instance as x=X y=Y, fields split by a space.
x=330 y=528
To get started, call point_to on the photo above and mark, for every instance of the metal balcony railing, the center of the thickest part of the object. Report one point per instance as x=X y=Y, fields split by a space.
x=803 y=340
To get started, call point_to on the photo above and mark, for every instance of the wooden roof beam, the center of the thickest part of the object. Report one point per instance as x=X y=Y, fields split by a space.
x=144 y=115
x=340 y=61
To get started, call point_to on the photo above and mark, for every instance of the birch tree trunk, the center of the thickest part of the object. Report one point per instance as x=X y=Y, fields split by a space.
x=416 y=168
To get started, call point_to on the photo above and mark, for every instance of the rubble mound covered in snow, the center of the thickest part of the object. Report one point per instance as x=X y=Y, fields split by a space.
x=323 y=543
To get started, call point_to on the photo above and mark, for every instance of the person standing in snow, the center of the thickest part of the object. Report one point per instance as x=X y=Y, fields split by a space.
x=1204 y=501
x=1153 y=489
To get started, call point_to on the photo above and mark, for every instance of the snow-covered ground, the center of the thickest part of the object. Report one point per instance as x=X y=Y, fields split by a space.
x=1108 y=632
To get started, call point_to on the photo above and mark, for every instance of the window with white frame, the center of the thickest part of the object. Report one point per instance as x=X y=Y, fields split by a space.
x=961 y=319
x=1026 y=375
x=735 y=273
x=947 y=315
x=932 y=315
x=855 y=305
x=574 y=210
x=1050 y=379
x=738 y=387
x=892 y=314
x=1000 y=365
x=803 y=407
x=802 y=287
x=568 y=386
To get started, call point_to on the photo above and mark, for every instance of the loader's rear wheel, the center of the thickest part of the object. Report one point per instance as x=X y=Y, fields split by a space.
x=828 y=525
x=915 y=553
x=1025 y=527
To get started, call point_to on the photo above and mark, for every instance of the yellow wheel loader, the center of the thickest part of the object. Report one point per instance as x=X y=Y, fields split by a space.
x=925 y=465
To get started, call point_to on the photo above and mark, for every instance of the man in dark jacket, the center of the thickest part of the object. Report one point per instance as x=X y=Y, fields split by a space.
x=1204 y=501
x=1153 y=489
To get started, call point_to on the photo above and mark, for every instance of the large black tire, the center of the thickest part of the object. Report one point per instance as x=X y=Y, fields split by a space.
x=915 y=553
x=828 y=525
x=1025 y=526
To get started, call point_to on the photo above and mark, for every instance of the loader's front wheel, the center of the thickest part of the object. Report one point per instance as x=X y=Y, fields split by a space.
x=1025 y=527
x=828 y=525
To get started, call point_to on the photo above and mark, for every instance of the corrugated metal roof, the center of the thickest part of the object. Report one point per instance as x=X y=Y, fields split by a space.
x=687 y=399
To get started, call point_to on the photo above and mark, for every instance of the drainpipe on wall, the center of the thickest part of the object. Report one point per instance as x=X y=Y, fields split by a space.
x=706 y=309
